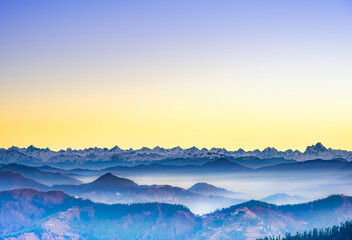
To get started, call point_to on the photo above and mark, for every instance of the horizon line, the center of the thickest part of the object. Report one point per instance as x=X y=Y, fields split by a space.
x=151 y=148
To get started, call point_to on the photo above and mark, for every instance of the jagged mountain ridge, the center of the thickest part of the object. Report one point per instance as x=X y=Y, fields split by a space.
x=37 y=155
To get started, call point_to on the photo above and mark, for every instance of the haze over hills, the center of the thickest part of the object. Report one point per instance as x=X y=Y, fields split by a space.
x=177 y=155
x=111 y=189
x=309 y=165
x=211 y=190
x=296 y=178
x=238 y=218
x=221 y=165
x=167 y=183
x=310 y=179
x=283 y=198
x=54 y=215
x=218 y=165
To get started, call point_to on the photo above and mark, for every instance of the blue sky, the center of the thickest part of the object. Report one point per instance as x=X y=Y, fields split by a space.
x=155 y=71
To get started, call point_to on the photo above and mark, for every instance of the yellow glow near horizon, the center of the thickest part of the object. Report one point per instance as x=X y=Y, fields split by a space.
x=172 y=116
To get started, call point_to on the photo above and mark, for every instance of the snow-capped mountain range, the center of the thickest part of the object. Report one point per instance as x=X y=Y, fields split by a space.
x=157 y=154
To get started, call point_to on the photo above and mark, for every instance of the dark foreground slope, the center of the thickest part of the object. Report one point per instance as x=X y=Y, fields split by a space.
x=342 y=232
x=255 y=219
x=27 y=214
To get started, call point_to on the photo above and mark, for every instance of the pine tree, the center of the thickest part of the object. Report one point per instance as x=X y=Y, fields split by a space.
x=342 y=232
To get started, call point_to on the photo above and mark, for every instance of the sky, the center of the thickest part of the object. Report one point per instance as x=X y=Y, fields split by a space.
x=233 y=74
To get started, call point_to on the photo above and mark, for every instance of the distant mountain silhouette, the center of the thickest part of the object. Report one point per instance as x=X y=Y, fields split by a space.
x=10 y=180
x=207 y=189
x=48 y=168
x=223 y=164
x=227 y=165
x=283 y=198
x=48 y=178
x=255 y=162
x=218 y=165
x=311 y=165
x=109 y=181
x=211 y=190
x=348 y=166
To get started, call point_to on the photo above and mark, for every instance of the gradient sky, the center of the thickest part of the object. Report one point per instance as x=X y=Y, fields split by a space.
x=231 y=74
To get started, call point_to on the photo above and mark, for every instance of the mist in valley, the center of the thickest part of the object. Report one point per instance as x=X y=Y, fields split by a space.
x=309 y=186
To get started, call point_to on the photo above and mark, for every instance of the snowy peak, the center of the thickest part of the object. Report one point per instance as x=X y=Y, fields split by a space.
x=31 y=148
x=147 y=155
x=316 y=149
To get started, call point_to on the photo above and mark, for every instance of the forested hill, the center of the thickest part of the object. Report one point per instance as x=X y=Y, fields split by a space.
x=342 y=232
x=31 y=214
